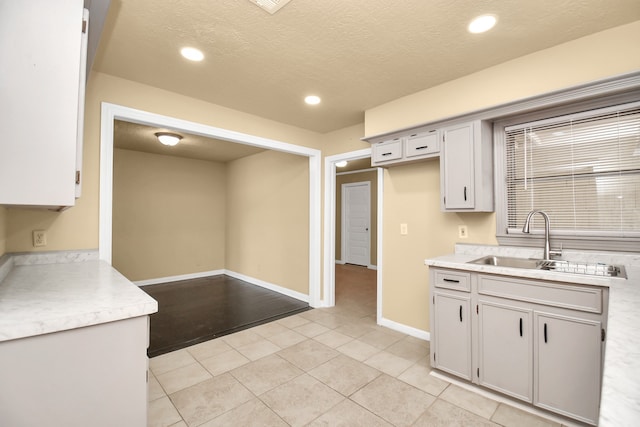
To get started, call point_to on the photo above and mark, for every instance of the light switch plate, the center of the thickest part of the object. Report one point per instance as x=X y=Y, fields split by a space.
x=403 y=229
x=463 y=233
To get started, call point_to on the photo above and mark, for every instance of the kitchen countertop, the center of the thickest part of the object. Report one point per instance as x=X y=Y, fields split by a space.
x=620 y=401
x=43 y=294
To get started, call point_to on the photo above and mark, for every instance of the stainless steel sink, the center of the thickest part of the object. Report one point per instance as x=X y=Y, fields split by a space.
x=503 y=261
x=560 y=266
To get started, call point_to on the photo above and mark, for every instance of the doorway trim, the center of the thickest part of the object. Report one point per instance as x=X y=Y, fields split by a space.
x=343 y=221
x=329 y=285
x=111 y=112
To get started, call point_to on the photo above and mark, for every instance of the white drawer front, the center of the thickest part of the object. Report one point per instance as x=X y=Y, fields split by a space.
x=583 y=298
x=388 y=150
x=422 y=144
x=453 y=280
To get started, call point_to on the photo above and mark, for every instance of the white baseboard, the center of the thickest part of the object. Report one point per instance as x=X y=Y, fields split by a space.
x=252 y=280
x=418 y=333
x=340 y=262
x=270 y=286
x=179 y=277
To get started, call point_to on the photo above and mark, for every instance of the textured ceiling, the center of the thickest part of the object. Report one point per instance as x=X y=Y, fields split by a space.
x=355 y=54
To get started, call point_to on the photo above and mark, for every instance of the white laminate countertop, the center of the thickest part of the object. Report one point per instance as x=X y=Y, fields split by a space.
x=620 y=402
x=37 y=298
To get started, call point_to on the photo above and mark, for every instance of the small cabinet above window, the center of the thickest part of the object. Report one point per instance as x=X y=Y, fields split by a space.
x=403 y=149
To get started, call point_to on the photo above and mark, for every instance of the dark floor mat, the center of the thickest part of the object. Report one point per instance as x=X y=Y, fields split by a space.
x=197 y=310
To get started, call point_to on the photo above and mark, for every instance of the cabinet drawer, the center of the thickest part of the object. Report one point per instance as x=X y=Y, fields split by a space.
x=422 y=144
x=581 y=298
x=453 y=280
x=388 y=150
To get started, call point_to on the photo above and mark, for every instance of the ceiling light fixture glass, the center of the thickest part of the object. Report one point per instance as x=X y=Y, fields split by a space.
x=271 y=6
x=482 y=23
x=168 y=138
x=312 y=100
x=192 y=54
x=341 y=163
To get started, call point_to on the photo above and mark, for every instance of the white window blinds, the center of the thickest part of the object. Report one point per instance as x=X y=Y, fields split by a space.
x=582 y=169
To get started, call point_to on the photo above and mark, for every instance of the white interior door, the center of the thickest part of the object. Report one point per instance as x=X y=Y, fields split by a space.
x=356 y=219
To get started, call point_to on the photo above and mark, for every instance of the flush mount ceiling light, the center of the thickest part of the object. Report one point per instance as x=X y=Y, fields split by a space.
x=271 y=6
x=168 y=138
x=341 y=163
x=312 y=100
x=192 y=54
x=482 y=23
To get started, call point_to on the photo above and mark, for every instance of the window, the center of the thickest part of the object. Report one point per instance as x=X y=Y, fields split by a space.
x=583 y=169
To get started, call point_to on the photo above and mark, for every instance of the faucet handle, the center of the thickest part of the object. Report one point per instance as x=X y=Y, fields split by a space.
x=557 y=254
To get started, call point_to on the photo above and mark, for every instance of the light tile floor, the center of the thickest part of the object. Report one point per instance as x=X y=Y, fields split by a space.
x=324 y=367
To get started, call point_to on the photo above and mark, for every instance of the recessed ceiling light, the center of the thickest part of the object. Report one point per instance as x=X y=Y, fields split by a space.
x=192 y=54
x=482 y=23
x=341 y=163
x=312 y=100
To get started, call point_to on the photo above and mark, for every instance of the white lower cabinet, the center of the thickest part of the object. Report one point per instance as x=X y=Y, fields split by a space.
x=505 y=349
x=90 y=376
x=453 y=333
x=537 y=341
x=568 y=362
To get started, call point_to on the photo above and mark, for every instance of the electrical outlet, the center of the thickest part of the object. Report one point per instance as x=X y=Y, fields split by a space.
x=463 y=233
x=403 y=229
x=39 y=238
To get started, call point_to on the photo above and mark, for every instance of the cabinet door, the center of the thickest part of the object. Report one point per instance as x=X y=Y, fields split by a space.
x=452 y=330
x=505 y=349
x=40 y=45
x=567 y=365
x=458 y=167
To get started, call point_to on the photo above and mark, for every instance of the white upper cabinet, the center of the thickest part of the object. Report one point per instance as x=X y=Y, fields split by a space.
x=412 y=147
x=466 y=160
x=41 y=45
x=466 y=168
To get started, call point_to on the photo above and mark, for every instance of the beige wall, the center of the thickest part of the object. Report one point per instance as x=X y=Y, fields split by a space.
x=372 y=178
x=268 y=219
x=598 y=56
x=169 y=215
x=344 y=140
x=411 y=193
x=412 y=197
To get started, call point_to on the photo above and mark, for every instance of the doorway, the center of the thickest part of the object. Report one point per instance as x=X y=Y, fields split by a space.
x=331 y=230
x=356 y=222
x=111 y=112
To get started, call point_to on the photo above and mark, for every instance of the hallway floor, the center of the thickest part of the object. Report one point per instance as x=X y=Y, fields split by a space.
x=323 y=367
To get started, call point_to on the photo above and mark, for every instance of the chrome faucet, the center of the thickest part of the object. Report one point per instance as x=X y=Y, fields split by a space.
x=525 y=229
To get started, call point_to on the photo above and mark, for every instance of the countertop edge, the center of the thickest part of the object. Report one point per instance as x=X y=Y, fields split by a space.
x=38 y=296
